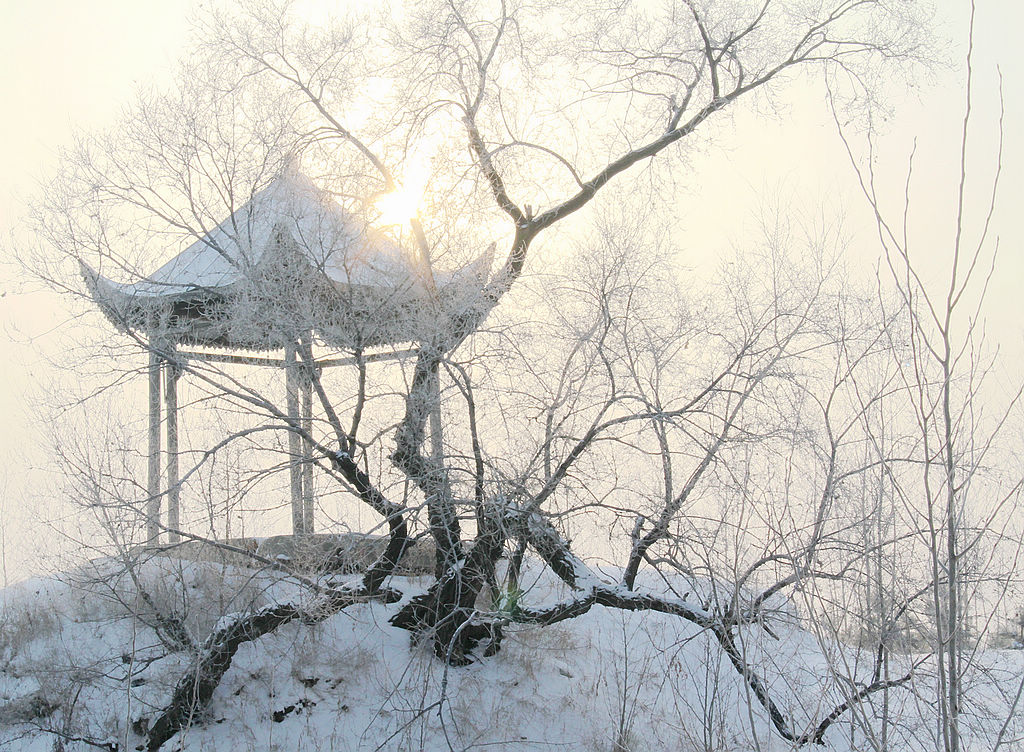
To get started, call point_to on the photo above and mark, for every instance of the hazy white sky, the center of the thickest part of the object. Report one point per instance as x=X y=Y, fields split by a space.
x=67 y=64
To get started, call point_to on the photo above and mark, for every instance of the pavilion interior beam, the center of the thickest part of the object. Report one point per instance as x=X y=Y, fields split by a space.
x=244 y=360
x=256 y=360
x=368 y=358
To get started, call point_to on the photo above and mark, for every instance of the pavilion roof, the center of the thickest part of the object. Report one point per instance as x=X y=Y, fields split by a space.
x=290 y=260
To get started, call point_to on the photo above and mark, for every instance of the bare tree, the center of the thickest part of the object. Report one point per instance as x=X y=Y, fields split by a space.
x=964 y=506
x=488 y=99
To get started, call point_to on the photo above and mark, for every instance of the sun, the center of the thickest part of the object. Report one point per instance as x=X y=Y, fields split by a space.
x=403 y=204
x=399 y=206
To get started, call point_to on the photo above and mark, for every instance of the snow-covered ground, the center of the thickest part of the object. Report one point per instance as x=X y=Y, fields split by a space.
x=79 y=661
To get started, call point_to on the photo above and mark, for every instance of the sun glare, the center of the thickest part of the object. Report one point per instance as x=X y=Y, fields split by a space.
x=400 y=206
x=405 y=202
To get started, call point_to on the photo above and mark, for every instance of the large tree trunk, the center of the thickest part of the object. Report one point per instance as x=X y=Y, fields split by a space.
x=428 y=475
x=445 y=610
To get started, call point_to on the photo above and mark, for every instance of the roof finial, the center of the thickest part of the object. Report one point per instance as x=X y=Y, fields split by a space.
x=292 y=163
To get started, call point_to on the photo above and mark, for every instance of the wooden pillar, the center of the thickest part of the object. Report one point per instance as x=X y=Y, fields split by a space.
x=291 y=378
x=307 y=452
x=153 y=485
x=171 y=374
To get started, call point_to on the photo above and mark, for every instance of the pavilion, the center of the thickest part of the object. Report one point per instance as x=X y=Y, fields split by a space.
x=287 y=268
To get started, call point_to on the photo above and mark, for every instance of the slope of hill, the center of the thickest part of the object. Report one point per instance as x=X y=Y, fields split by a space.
x=83 y=666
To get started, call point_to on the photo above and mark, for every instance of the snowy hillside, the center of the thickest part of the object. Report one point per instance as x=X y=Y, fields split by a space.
x=78 y=669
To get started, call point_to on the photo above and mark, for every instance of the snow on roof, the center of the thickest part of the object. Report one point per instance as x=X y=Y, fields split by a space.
x=296 y=241
x=334 y=241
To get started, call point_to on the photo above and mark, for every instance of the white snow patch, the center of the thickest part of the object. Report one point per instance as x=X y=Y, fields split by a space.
x=73 y=659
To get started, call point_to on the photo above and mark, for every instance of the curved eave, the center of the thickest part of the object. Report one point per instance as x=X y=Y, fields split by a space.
x=129 y=310
x=357 y=316
x=341 y=314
